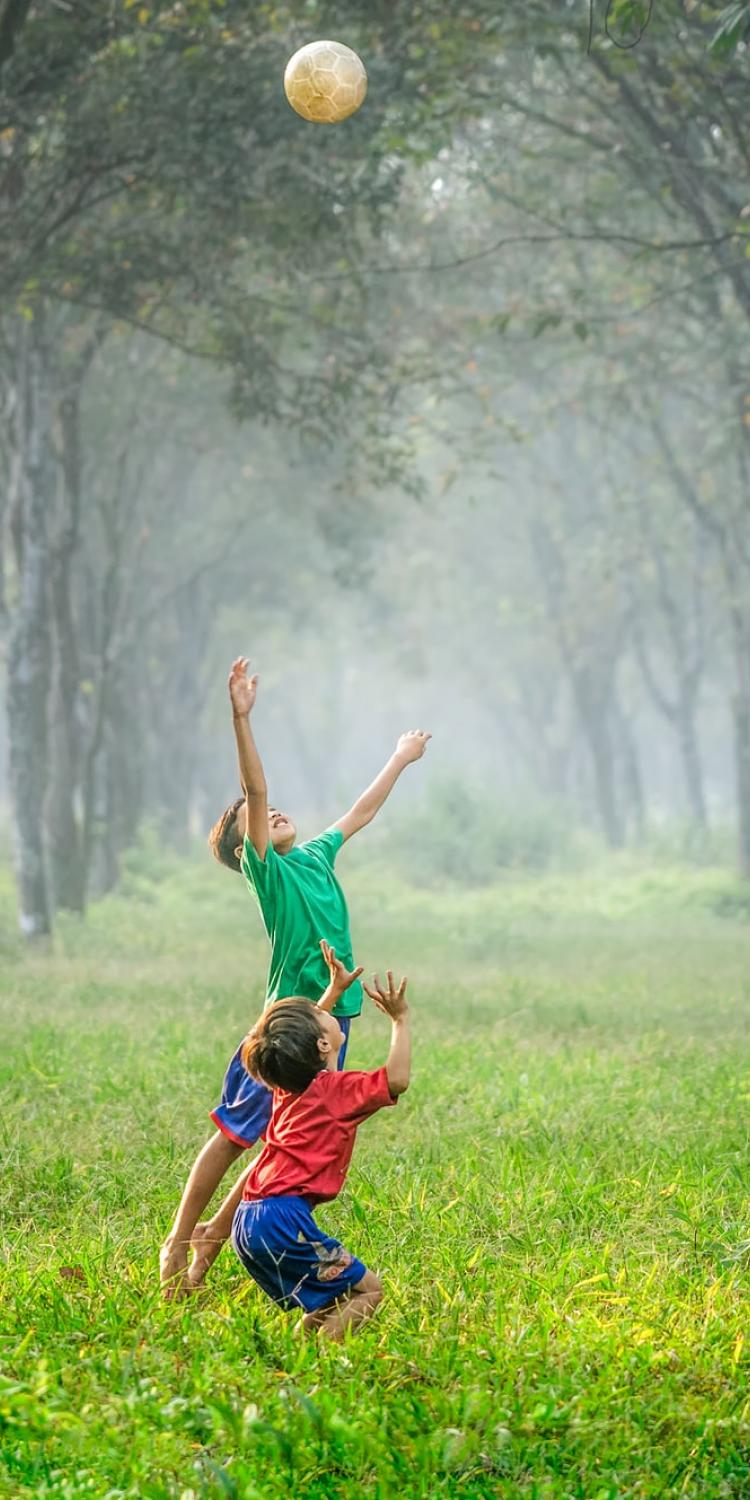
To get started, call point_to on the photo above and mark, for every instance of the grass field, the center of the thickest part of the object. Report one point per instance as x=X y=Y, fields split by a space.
x=558 y=1207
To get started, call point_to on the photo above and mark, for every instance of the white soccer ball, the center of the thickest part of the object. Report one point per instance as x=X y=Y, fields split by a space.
x=325 y=82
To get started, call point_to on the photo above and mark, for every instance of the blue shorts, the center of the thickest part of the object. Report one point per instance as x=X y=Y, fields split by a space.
x=245 y=1108
x=292 y=1260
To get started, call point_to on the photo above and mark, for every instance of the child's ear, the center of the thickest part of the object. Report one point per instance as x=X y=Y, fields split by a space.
x=324 y=1046
x=238 y=851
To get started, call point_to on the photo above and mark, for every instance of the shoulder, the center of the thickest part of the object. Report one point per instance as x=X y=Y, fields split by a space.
x=326 y=846
x=319 y=1097
x=353 y=1095
x=326 y=1088
x=326 y=1081
x=253 y=866
x=250 y=852
x=325 y=1084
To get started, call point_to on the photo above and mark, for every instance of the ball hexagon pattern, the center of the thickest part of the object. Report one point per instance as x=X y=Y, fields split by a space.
x=325 y=82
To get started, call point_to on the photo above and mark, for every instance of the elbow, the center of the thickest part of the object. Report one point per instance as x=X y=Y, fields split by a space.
x=398 y=1085
x=356 y=821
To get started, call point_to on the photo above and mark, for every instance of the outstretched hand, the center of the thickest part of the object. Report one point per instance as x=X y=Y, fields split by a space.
x=341 y=977
x=242 y=689
x=412 y=744
x=392 y=1001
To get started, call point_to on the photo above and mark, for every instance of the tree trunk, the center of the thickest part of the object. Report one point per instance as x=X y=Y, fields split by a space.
x=28 y=648
x=590 y=660
x=741 y=717
x=63 y=827
x=741 y=721
x=125 y=768
x=594 y=718
x=631 y=769
x=739 y=621
x=63 y=820
x=691 y=763
x=64 y=835
x=600 y=746
x=594 y=704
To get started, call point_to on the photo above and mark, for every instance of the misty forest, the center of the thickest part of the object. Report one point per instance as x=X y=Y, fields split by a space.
x=443 y=416
x=440 y=416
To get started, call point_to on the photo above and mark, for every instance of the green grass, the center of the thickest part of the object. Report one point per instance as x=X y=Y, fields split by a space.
x=559 y=1206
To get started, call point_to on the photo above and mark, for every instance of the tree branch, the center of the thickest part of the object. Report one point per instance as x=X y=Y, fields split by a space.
x=709 y=241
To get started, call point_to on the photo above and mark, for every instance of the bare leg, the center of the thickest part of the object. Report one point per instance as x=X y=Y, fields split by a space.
x=348 y=1312
x=207 y=1239
x=210 y=1165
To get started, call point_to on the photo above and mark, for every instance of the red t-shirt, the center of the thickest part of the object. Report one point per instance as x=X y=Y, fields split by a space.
x=310 y=1138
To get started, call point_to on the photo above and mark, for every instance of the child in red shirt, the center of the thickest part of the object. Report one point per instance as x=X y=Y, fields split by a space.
x=294 y=1049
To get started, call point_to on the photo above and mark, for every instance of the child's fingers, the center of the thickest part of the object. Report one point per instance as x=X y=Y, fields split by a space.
x=373 y=995
x=402 y=988
x=359 y=970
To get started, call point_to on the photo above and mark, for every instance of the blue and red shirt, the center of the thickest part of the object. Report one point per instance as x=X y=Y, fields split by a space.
x=310 y=1138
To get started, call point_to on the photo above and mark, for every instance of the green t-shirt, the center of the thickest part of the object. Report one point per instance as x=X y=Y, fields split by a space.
x=301 y=901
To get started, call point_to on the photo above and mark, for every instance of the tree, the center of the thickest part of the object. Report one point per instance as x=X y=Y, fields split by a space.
x=136 y=190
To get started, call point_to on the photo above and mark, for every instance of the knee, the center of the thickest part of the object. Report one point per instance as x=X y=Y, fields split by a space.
x=371 y=1287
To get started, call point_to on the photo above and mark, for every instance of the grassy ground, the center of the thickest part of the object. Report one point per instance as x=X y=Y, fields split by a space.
x=559 y=1206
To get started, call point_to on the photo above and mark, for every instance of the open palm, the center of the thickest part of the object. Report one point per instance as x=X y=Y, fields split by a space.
x=242 y=689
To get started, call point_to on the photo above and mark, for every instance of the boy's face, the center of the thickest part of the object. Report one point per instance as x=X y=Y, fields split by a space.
x=282 y=833
x=332 y=1039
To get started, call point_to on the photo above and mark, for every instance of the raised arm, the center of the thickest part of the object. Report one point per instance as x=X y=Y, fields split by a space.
x=411 y=746
x=392 y=1002
x=242 y=691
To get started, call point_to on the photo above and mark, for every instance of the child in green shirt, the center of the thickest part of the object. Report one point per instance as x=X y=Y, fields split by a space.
x=300 y=902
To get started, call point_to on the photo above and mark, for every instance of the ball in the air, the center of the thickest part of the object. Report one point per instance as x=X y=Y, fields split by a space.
x=325 y=82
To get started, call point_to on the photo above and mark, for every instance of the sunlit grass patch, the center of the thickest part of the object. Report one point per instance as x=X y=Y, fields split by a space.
x=559 y=1206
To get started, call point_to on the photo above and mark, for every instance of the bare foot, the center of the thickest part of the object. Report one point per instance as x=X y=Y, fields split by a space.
x=173 y=1269
x=205 y=1245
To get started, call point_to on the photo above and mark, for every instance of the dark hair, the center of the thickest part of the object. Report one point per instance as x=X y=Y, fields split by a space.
x=223 y=836
x=282 y=1048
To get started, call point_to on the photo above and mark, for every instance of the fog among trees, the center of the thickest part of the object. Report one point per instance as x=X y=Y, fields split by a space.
x=442 y=416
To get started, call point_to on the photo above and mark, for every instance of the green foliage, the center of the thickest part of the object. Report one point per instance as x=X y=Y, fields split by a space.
x=148 y=861
x=469 y=835
x=153 y=172
x=558 y=1207
x=733 y=27
x=680 y=841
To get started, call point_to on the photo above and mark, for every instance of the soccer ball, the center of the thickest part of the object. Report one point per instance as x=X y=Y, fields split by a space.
x=325 y=82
